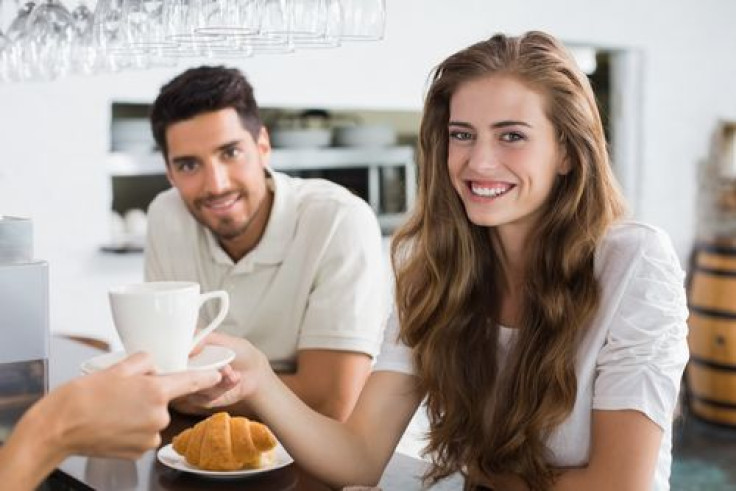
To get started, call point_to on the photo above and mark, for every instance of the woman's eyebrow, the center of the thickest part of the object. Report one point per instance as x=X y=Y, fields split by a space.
x=500 y=124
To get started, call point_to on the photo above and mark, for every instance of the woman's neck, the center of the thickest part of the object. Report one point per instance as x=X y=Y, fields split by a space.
x=510 y=245
x=510 y=248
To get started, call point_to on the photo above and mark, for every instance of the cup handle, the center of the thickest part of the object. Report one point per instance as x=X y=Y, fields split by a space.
x=224 y=306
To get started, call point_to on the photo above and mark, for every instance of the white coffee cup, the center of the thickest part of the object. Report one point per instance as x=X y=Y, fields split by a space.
x=160 y=317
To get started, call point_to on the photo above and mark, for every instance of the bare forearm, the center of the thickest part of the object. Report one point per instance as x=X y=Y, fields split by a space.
x=332 y=405
x=332 y=408
x=28 y=457
x=328 y=449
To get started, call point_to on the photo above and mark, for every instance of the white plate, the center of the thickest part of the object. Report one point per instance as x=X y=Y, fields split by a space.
x=168 y=456
x=210 y=358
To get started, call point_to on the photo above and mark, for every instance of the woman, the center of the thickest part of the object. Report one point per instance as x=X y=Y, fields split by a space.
x=547 y=336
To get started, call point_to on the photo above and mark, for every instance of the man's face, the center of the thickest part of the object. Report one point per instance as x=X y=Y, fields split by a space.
x=219 y=170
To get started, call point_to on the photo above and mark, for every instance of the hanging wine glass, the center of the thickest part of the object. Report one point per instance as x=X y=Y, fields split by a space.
x=180 y=19
x=363 y=20
x=273 y=36
x=84 y=53
x=109 y=35
x=143 y=24
x=330 y=29
x=4 y=43
x=49 y=33
x=229 y=17
x=17 y=55
x=4 y=58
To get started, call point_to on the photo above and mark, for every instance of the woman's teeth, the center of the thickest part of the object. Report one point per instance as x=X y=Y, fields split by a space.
x=488 y=192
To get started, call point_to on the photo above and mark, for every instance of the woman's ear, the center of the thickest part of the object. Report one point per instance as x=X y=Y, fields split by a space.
x=564 y=166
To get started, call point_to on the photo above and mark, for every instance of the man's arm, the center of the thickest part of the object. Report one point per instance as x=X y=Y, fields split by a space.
x=329 y=381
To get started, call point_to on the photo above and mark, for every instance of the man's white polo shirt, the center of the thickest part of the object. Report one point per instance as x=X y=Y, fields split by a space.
x=316 y=279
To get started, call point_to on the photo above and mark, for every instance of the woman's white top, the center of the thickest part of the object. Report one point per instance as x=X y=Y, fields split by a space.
x=634 y=351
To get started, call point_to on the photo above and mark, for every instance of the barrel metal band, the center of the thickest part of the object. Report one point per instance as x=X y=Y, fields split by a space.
x=711 y=402
x=716 y=272
x=718 y=314
x=716 y=249
x=712 y=364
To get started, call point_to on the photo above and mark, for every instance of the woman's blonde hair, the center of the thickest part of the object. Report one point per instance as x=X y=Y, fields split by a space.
x=449 y=280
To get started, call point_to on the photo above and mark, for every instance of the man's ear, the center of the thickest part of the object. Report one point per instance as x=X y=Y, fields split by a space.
x=168 y=172
x=264 y=143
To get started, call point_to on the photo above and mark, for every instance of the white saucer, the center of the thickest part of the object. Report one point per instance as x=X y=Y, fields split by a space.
x=210 y=358
x=168 y=456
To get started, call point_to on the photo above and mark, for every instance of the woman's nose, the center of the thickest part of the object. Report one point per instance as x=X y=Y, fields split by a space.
x=483 y=156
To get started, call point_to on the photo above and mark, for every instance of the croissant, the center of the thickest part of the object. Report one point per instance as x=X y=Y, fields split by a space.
x=224 y=443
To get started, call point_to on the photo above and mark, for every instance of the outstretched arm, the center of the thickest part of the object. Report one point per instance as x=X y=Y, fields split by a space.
x=113 y=413
x=353 y=452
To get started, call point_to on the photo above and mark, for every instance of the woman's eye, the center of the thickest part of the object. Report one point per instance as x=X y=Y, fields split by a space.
x=512 y=136
x=461 y=135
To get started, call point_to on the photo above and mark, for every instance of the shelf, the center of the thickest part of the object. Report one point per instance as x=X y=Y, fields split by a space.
x=305 y=159
x=127 y=164
x=339 y=157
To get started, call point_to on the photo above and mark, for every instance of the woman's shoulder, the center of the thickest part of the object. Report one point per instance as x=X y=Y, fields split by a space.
x=629 y=244
x=635 y=237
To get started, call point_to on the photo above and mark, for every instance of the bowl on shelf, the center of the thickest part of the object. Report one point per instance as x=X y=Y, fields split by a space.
x=301 y=137
x=132 y=135
x=365 y=135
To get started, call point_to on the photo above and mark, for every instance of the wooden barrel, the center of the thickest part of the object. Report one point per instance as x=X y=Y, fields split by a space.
x=711 y=373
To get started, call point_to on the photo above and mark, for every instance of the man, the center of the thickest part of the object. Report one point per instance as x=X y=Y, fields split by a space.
x=300 y=258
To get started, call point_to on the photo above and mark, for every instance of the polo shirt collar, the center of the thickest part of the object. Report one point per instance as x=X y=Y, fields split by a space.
x=279 y=231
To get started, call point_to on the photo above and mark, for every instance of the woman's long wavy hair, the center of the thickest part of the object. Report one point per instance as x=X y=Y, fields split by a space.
x=449 y=278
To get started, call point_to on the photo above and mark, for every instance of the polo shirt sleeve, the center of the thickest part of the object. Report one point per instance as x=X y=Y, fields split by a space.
x=153 y=269
x=346 y=308
x=641 y=363
x=395 y=356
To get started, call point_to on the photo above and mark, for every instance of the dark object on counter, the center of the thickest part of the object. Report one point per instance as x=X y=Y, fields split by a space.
x=24 y=304
x=122 y=249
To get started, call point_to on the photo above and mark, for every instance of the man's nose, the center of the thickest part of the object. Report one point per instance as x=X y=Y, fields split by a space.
x=217 y=179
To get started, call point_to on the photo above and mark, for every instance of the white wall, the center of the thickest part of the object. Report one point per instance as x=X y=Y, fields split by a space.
x=54 y=136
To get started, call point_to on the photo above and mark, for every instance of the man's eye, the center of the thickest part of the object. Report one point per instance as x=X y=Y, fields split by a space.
x=231 y=152
x=185 y=166
x=461 y=135
x=512 y=136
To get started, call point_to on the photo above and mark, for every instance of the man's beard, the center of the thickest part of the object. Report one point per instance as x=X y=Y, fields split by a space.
x=225 y=229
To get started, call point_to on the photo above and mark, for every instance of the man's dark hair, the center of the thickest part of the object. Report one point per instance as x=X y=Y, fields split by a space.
x=201 y=90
